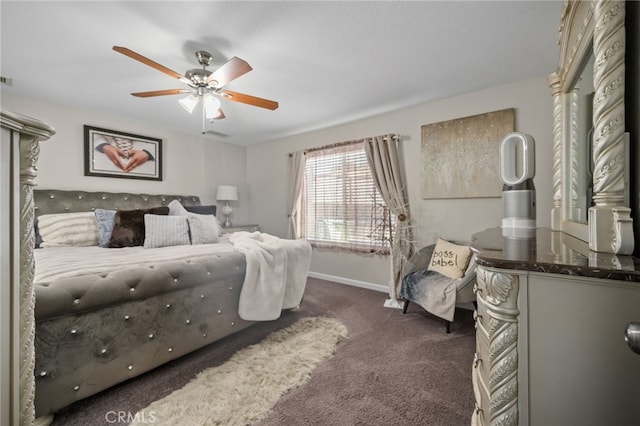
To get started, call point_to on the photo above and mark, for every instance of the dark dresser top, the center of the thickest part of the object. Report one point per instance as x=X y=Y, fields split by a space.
x=551 y=252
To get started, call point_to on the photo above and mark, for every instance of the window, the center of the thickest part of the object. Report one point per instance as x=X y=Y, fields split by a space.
x=341 y=206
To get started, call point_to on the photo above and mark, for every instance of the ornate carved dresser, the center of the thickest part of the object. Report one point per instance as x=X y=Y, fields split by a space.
x=550 y=347
x=553 y=306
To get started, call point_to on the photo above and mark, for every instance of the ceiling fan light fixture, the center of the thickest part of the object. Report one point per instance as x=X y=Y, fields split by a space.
x=189 y=102
x=211 y=106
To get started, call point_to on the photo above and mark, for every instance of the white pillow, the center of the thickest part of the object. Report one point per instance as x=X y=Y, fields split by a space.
x=204 y=228
x=449 y=259
x=68 y=229
x=164 y=230
x=176 y=208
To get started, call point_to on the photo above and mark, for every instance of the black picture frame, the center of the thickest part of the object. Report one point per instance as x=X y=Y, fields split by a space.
x=111 y=153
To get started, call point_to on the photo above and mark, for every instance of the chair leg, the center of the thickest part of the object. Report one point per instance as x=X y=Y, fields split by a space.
x=404 y=311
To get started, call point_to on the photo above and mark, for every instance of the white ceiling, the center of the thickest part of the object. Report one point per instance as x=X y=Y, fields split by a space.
x=326 y=63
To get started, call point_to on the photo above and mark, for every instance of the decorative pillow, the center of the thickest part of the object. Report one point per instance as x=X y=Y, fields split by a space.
x=37 y=233
x=128 y=226
x=450 y=259
x=176 y=208
x=163 y=231
x=204 y=228
x=68 y=229
x=202 y=209
x=105 y=219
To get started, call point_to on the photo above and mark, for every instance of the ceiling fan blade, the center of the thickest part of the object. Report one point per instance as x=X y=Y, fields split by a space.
x=232 y=69
x=138 y=57
x=161 y=93
x=248 y=99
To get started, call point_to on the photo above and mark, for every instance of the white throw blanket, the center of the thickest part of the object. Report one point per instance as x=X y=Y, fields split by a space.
x=276 y=274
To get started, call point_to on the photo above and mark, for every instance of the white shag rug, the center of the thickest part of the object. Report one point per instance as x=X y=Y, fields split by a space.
x=244 y=389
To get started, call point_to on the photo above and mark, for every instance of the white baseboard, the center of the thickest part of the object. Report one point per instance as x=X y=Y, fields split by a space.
x=393 y=303
x=348 y=281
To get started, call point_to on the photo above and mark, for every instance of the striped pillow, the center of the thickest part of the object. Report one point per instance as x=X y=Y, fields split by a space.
x=68 y=229
x=204 y=228
x=163 y=231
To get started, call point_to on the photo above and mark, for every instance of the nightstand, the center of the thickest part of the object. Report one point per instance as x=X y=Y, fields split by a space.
x=237 y=228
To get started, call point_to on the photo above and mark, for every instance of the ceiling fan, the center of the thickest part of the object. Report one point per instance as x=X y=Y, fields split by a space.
x=204 y=85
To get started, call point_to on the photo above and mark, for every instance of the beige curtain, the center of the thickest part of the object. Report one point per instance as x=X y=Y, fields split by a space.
x=383 y=158
x=295 y=178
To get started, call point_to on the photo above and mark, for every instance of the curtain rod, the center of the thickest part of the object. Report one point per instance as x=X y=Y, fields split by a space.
x=385 y=138
x=393 y=137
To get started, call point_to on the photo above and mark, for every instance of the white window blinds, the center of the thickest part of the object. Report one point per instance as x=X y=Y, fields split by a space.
x=341 y=206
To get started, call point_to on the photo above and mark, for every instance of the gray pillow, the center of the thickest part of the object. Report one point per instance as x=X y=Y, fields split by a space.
x=202 y=209
x=164 y=231
x=176 y=208
x=37 y=232
x=204 y=228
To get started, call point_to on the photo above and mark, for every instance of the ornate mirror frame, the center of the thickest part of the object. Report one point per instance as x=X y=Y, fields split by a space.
x=583 y=25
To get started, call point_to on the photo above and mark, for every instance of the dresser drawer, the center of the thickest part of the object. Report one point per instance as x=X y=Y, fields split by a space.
x=481 y=411
x=481 y=314
x=482 y=361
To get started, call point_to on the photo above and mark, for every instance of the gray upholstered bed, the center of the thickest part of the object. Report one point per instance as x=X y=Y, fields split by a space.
x=96 y=330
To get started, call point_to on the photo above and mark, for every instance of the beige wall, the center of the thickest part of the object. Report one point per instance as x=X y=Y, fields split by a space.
x=453 y=218
x=192 y=165
x=197 y=165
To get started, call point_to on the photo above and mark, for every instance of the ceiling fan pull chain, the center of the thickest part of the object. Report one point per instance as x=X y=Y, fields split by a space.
x=203 y=118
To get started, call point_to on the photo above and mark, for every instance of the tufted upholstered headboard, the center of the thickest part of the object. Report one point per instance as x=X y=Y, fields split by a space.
x=66 y=201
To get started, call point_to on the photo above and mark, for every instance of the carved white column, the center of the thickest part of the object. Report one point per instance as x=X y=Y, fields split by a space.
x=497 y=348
x=30 y=132
x=29 y=151
x=610 y=223
x=598 y=27
x=556 y=212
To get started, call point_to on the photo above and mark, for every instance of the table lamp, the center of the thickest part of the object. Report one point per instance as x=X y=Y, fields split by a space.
x=227 y=193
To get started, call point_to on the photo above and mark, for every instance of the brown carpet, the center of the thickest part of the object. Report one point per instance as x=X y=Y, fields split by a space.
x=393 y=369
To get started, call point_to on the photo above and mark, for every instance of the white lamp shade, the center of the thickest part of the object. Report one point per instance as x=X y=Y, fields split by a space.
x=211 y=106
x=227 y=193
x=189 y=102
